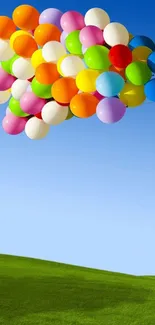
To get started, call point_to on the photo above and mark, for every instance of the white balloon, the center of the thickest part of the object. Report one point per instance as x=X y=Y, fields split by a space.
x=4 y=96
x=96 y=17
x=71 y=66
x=23 y=69
x=52 y=51
x=53 y=113
x=7 y=111
x=6 y=53
x=36 y=129
x=19 y=88
x=116 y=33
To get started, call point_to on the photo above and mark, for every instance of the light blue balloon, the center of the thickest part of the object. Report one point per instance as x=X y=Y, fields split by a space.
x=109 y=84
x=149 y=90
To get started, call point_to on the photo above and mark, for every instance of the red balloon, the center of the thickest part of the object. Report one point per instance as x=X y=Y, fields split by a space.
x=38 y=115
x=120 y=56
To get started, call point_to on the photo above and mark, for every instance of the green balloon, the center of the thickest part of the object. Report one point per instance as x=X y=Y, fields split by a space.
x=97 y=57
x=70 y=114
x=73 y=43
x=12 y=60
x=15 y=108
x=40 y=90
x=138 y=73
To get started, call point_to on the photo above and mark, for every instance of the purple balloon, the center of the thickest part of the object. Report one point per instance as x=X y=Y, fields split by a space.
x=31 y=104
x=63 y=37
x=110 y=110
x=13 y=125
x=6 y=80
x=51 y=16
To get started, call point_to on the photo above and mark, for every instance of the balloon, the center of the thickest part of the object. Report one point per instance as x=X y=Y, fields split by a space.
x=96 y=57
x=15 y=108
x=7 y=27
x=110 y=110
x=25 y=46
x=71 y=65
x=63 y=38
x=42 y=91
x=141 y=41
x=13 y=125
x=71 y=21
x=31 y=104
x=19 y=87
x=12 y=60
x=22 y=69
x=37 y=58
x=6 y=53
x=6 y=65
x=132 y=95
x=91 y=35
x=53 y=113
x=51 y=16
x=86 y=80
x=7 y=111
x=97 y=95
x=64 y=89
x=73 y=44
x=138 y=73
x=119 y=71
x=47 y=73
x=97 y=17
x=16 y=34
x=109 y=84
x=60 y=61
x=83 y=105
x=4 y=96
x=45 y=33
x=26 y=17
x=116 y=33
x=70 y=114
x=149 y=90
x=141 y=53
x=52 y=51
x=151 y=61
x=6 y=80
x=36 y=129
x=120 y=56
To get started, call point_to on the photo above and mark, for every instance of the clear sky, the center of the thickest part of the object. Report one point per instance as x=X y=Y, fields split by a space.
x=84 y=195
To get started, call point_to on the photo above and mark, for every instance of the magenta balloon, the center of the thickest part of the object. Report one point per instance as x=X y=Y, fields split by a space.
x=13 y=124
x=91 y=35
x=31 y=104
x=98 y=95
x=6 y=80
x=51 y=16
x=110 y=110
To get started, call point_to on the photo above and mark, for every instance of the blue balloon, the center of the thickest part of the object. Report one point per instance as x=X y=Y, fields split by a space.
x=149 y=90
x=109 y=83
x=151 y=61
x=141 y=41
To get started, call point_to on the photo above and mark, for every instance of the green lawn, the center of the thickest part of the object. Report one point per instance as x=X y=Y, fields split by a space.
x=35 y=292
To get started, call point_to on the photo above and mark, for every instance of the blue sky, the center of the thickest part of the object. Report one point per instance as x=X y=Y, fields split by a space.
x=85 y=195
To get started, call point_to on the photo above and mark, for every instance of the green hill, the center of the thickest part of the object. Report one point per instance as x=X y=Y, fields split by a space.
x=35 y=292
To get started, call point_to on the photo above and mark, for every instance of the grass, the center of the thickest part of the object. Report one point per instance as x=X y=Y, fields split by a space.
x=35 y=292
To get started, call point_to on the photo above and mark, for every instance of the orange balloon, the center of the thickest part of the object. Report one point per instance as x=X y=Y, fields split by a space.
x=25 y=46
x=84 y=105
x=119 y=71
x=64 y=89
x=45 y=33
x=47 y=73
x=7 y=27
x=26 y=17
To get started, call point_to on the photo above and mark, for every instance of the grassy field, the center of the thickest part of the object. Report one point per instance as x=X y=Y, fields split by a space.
x=35 y=292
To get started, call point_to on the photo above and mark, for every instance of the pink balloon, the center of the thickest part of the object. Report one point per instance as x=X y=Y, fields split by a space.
x=6 y=80
x=13 y=124
x=91 y=35
x=72 y=20
x=31 y=104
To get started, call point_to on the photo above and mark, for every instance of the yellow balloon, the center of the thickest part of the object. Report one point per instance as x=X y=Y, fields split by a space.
x=16 y=34
x=132 y=95
x=141 y=53
x=86 y=80
x=37 y=58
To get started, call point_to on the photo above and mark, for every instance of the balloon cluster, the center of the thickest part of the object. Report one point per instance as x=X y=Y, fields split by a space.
x=55 y=66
